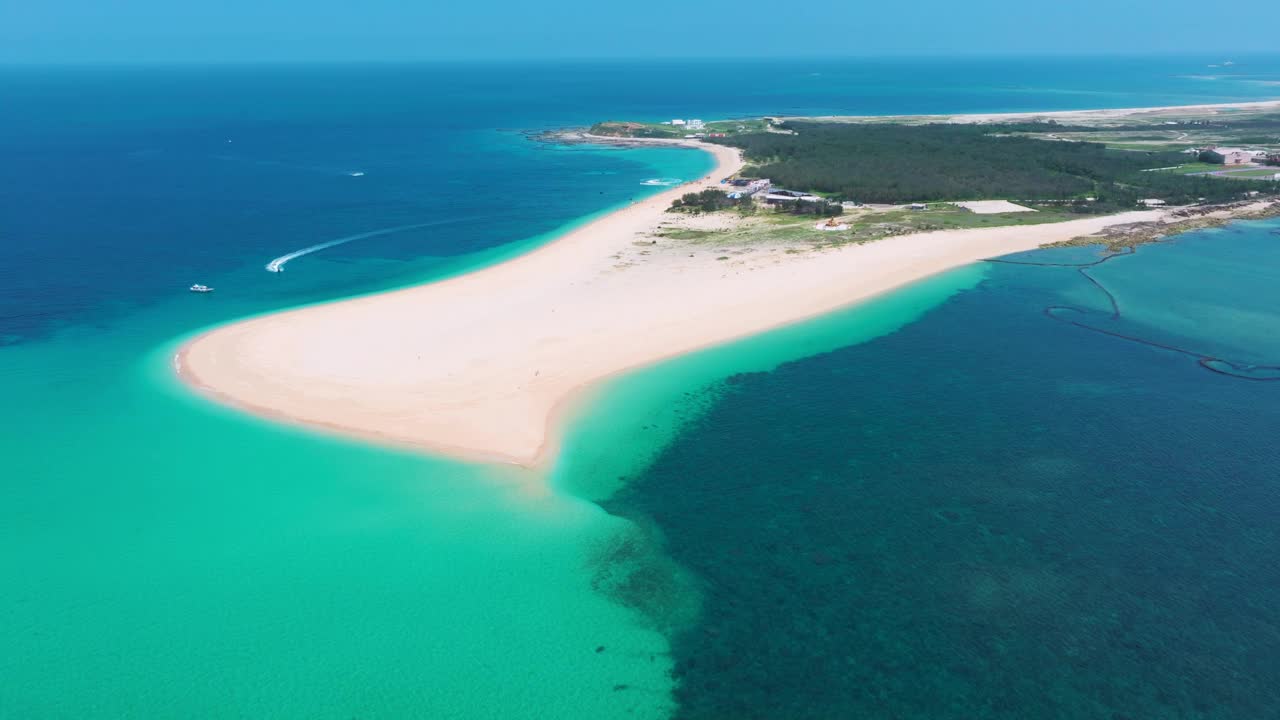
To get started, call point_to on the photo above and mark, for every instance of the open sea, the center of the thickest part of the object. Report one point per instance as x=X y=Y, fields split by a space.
x=1042 y=488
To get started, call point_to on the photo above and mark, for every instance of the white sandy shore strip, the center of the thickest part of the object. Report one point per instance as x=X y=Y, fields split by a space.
x=479 y=365
x=1067 y=116
x=992 y=207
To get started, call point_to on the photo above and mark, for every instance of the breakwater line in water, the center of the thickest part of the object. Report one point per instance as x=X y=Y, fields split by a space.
x=1222 y=366
x=277 y=265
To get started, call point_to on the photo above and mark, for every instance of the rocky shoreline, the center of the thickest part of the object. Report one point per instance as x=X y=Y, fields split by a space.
x=1130 y=235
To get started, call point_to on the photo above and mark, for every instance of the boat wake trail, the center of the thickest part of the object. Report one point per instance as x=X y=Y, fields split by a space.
x=277 y=265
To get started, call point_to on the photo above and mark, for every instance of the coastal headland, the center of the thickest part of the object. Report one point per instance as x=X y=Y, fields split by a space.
x=482 y=366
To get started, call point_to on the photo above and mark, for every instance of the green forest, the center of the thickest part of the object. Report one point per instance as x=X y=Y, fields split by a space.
x=886 y=163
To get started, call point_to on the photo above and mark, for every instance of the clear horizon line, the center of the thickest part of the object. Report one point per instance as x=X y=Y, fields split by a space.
x=1198 y=54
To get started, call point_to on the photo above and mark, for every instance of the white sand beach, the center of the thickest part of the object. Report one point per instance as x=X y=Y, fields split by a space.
x=478 y=366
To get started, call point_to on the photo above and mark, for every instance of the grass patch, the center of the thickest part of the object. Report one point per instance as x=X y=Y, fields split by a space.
x=1192 y=167
x=1264 y=173
x=685 y=234
x=1146 y=146
x=799 y=234
x=945 y=217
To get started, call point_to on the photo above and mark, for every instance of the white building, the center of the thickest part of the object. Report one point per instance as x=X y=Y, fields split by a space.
x=678 y=121
x=696 y=124
x=782 y=196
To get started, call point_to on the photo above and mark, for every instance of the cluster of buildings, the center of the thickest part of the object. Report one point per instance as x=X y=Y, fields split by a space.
x=762 y=189
x=1232 y=156
x=694 y=124
x=778 y=195
x=747 y=187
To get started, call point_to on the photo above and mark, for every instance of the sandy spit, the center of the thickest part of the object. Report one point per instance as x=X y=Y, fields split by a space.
x=479 y=366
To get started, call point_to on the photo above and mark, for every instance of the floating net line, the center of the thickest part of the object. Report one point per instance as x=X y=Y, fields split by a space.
x=1212 y=363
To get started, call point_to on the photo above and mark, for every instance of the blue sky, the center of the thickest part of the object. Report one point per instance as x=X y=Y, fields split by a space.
x=397 y=30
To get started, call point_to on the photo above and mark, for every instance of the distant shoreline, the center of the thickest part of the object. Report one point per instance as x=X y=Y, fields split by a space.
x=1209 y=110
x=482 y=366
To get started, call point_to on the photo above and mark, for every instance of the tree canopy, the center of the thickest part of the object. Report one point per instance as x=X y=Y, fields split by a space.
x=892 y=163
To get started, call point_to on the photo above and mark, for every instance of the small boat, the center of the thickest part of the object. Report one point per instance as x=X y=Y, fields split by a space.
x=201 y=288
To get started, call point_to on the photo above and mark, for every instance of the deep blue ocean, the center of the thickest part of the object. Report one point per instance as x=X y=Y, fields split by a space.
x=947 y=503
x=121 y=183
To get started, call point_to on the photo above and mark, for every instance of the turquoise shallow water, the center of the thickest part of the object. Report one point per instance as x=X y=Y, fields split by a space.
x=164 y=557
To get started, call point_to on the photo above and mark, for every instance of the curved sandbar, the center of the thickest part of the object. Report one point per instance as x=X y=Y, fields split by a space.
x=476 y=366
